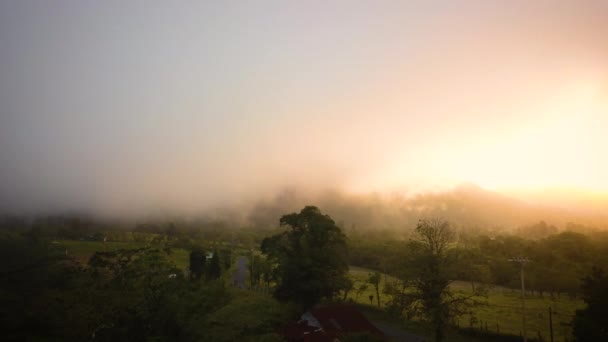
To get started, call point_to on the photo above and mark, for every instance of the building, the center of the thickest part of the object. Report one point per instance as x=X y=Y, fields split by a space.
x=328 y=323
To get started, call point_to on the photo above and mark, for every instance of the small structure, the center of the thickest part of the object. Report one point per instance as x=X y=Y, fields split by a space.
x=301 y=331
x=329 y=323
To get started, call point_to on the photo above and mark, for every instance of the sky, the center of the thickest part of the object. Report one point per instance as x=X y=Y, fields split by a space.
x=114 y=106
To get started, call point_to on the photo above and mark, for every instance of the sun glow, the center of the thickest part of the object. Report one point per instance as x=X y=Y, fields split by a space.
x=566 y=149
x=557 y=143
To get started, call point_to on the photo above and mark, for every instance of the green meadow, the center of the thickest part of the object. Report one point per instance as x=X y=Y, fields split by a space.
x=83 y=250
x=500 y=311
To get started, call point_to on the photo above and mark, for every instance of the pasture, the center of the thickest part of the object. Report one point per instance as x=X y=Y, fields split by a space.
x=500 y=311
x=83 y=250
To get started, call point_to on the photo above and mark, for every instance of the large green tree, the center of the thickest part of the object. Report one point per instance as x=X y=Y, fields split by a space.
x=197 y=263
x=310 y=257
x=374 y=279
x=130 y=292
x=214 y=270
x=591 y=323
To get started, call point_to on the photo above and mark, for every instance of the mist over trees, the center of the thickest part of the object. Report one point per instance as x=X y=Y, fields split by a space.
x=303 y=261
x=466 y=207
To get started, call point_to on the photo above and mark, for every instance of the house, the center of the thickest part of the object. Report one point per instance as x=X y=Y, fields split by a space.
x=302 y=332
x=328 y=323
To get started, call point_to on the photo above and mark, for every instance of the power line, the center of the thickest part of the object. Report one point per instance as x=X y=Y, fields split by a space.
x=522 y=262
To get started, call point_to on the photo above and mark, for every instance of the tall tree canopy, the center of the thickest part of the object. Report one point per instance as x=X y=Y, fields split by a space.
x=591 y=323
x=432 y=272
x=214 y=270
x=310 y=257
x=197 y=262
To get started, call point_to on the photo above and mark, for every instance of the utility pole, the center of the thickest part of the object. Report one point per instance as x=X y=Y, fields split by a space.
x=251 y=271
x=551 y=322
x=522 y=262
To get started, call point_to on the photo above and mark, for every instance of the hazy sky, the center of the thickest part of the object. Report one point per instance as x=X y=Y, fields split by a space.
x=109 y=105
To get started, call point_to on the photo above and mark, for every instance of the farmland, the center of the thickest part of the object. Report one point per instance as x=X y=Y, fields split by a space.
x=500 y=311
x=83 y=250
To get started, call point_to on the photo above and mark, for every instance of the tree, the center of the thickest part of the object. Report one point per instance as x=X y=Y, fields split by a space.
x=249 y=316
x=310 y=257
x=432 y=275
x=348 y=286
x=255 y=270
x=131 y=292
x=197 y=263
x=226 y=258
x=591 y=323
x=470 y=265
x=214 y=270
x=374 y=279
x=400 y=298
x=361 y=289
x=266 y=270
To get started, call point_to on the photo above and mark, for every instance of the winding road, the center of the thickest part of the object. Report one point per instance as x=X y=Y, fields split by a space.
x=240 y=275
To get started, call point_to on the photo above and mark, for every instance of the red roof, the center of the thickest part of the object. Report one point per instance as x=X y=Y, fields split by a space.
x=301 y=331
x=342 y=318
x=335 y=320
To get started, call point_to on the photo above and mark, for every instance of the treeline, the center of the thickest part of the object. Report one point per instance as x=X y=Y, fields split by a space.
x=558 y=261
x=82 y=227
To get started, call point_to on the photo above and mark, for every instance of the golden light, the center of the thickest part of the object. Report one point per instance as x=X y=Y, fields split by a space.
x=568 y=148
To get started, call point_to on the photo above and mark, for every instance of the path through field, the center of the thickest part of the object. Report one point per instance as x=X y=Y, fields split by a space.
x=240 y=275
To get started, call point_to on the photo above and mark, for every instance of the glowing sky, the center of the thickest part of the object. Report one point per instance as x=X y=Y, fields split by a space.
x=114 y=104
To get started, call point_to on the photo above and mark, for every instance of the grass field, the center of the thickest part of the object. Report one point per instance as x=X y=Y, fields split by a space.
x=501 y=310
x=83 y=250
